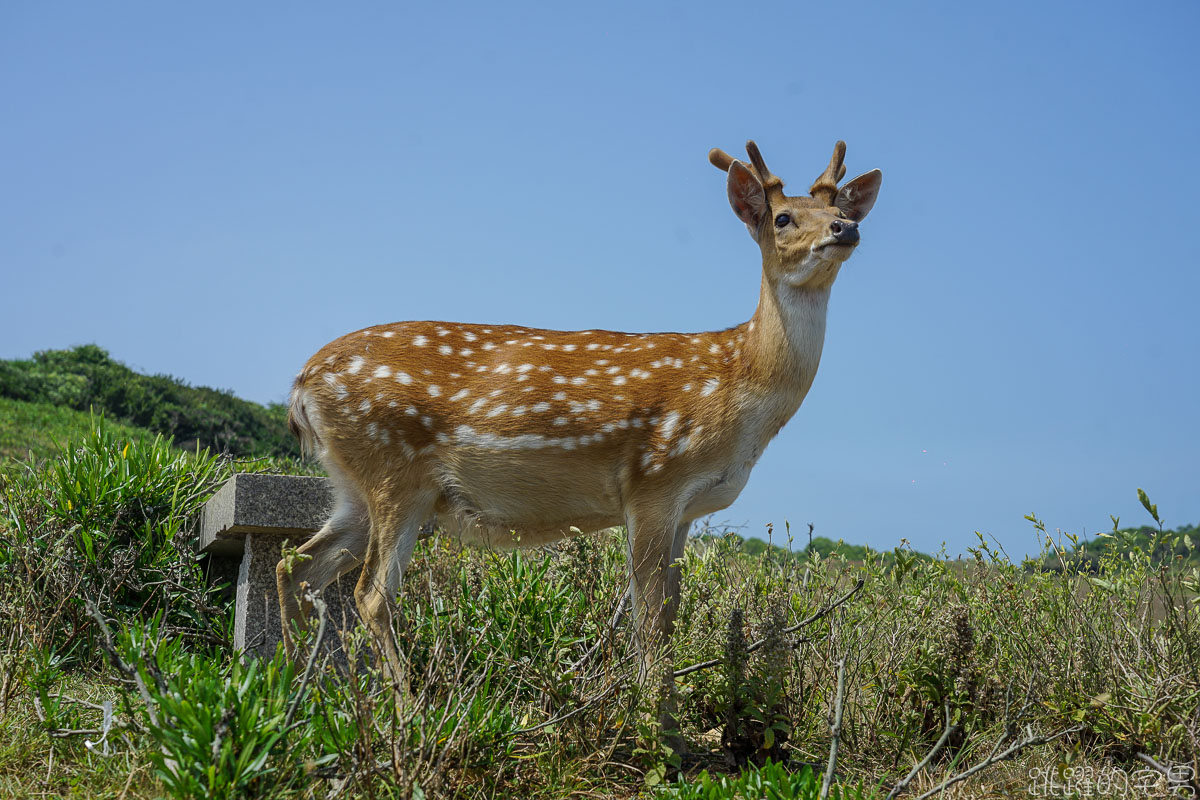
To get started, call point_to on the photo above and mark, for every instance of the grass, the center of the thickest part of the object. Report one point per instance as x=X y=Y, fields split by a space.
x=521 y=689
x=32 y=431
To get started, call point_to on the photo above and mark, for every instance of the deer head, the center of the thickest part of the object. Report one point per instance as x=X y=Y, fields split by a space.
x=804 y=240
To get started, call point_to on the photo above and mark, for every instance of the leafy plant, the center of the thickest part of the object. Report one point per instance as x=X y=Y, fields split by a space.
x=771 y=781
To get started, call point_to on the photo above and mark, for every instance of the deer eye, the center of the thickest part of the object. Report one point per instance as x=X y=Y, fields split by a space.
x=782 y=220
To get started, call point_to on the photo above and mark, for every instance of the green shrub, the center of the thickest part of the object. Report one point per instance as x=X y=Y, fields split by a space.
x=220 y=726
x=770 y=782
x=107 y=520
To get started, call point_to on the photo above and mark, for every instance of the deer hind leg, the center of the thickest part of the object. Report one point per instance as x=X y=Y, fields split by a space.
x=332 y=552
x=395 y=527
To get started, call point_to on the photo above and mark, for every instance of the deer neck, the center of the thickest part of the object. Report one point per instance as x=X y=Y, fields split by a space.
x=785 y=338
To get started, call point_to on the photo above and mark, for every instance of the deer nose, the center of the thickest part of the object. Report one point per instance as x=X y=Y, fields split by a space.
x=844 y=231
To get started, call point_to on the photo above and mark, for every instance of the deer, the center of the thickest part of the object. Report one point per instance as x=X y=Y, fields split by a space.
x=507 y=436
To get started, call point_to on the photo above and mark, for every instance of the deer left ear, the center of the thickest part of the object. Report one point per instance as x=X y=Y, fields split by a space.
x=857 y=197
x=746 y=196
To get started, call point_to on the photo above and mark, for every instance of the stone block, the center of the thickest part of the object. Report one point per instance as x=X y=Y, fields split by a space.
x=246 y=523
x=248 y=503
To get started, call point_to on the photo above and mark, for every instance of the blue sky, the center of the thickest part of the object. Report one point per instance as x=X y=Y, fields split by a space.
x=216 y=191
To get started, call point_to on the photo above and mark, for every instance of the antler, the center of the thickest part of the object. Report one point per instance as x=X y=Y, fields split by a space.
x=826 y=187
x=771 y=183
x=720 y=159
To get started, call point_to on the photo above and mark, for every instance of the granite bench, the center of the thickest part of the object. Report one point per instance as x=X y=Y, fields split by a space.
x=243 y=528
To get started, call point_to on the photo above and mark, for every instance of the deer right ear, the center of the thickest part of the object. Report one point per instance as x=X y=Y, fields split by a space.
x=746 y=196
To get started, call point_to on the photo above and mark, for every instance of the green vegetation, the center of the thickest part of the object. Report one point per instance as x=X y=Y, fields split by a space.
x=821 y=546
x=32 y=431
x=772 y=781
x=86 y=378
x=1174 y=548
x=116 y=677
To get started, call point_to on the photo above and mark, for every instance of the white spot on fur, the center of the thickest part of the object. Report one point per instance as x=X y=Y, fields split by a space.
x=525 y=368
x=710 y=386
x=388 y=334
x=382 y=371
x=404 y=378
x=364 y=406
x=568 y=348
x=356 y=364
x=470 y=337
x=619 y=380
x=459 y=395
x=669 y=423
x=445 y=349
x=580 y=381
x=434 y=390
x=500 y=409
x=541 y=407
x=560 y=420
x=420 y=341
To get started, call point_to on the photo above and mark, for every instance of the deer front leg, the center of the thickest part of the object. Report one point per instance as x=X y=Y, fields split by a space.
x=656 y=542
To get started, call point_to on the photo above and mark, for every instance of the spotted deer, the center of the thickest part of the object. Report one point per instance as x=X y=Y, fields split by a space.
x=512 y=436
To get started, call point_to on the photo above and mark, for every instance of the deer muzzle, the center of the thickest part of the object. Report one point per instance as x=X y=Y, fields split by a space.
x=844 y=231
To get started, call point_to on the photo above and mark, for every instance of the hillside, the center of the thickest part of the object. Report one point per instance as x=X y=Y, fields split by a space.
x=87 y=379
x=35 y=428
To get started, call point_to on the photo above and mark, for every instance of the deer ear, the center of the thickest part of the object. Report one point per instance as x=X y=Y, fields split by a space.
x=746 y=196
x=857 y=197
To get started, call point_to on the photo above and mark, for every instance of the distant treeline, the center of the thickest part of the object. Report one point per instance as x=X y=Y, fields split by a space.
x=820 y=545
x=86 y=377
x=1177 y=547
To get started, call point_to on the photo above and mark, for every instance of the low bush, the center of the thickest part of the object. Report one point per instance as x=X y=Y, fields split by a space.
x=107 y=521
